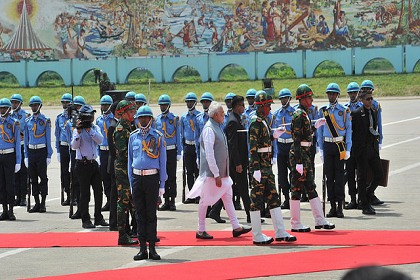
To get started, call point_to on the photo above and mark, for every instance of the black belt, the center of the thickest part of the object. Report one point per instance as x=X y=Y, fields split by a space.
x=88 y=160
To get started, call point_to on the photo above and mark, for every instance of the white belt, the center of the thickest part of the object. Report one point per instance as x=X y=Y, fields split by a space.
x=171 y=147
x=333 y=140
x=64 y=143
x=36 y=147
x=305 y=144
x=264 y=150
x=104 y=148
x=7 y=151
x=145 y=172
x=189 y=142
x=285 y=141
x=22 y=142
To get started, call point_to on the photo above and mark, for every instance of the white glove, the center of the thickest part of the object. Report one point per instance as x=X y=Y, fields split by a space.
x=178 y=157
x=198 y=162
x=347 y=155
x=299 y=168
x=48 y=161
x=26 y=162
x=257 y=175
x=17 y=167
x=70 y=167
x=278 y=132
x=58 y=157
x=98 y=160
x=321 y=155
x=161 y=191
x=380 y=146
x=274 y=161
x=319 y=122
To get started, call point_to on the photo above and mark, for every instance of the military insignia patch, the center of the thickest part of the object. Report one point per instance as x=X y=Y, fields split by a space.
x=20 y=116
x=151 y=145
x=41 y=123
x=290 y=113
x=9 y=126
x=340 y=113
x=171 y=122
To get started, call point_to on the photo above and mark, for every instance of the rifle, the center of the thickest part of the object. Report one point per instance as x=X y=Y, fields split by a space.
x=184 y=180
x=28 y=188
x=62 y=190
x=71 y=194
x=324 y=187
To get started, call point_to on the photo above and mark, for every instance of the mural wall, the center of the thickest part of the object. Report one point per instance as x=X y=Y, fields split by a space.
x=60 y=29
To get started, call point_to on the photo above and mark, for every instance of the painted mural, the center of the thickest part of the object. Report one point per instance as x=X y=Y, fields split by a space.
x=60 y=29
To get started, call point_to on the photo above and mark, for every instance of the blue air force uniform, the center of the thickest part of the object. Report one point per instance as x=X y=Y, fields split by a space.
x=377 y=106
x=37 y=150
x=284 y=142
x=19 y=183
x=62 y=146
x=10 y=154
x=103 y=122
x=169 y=126
x=188 y=127
x=201 y=120
x=249 y=110
x=147 y=173
x=328 y=144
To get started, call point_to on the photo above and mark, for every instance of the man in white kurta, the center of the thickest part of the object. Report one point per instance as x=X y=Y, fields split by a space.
x=214 y=182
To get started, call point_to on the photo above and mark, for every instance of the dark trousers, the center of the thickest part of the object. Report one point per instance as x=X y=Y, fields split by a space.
x=190 y=163
x=106 y=177
x=351 y=175
x=334 y=170
x=7 y=171
x=170 y=184
x=64 y=165
x=368 y=158
x=240 y=182
x=89 y=175
x=113 y=197
x=145 y=193
x=312 y=149
x=38 y=168
x=76 y=185
x=283 y=167
x=20 y=178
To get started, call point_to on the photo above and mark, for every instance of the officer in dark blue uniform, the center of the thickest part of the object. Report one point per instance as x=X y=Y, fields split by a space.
x=38 y=152
x=104 y=121
x=168 y=124
x=20 y=181
x=10 y=158
x=78 y=101
x=62 y=145
x=188 y=128
x=147 y=173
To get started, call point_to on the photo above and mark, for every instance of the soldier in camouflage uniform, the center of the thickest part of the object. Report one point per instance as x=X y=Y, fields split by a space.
x=300 y=161
x=121 y=137
x=263 y=188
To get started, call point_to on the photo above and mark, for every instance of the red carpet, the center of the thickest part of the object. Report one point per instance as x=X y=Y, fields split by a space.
x=267 y=265
x=221 y=238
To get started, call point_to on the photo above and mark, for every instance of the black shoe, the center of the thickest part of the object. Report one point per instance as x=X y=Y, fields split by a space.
x=172 y=206
x=340 y=210
x=42 y=208
x=351 y=205
x=270 y=240
x=22 y=202
x=76 y=216
x=127 y=241
x=204 y=235
x=307 y=229
x=332 y=213
x=75 y=202
x=113 y=228
x=237 y=205
x=240 y=232
x=165 y=207
x=11 y=215
x=285 y=205
x=106 y=207
x=66 y=202
x=216 y=217
x=142 y=255
x=369 y=211
x=88 y=224
x=197 y=200
x=153 y=255
x=189 y=201
x=35 y=208
x=101 y=223
x=290 y=238
x=4 y=216
x=375 y=201
x=327 y=226
x=17 y=201
x=303 y=199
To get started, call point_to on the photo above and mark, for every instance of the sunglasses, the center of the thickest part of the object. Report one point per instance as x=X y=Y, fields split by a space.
x=369 y=99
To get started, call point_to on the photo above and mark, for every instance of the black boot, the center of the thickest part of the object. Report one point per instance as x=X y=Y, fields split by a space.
x=142 y=255
x=340 y=209
x=352 y=204
x=152 y=252
x=333 y=210
x=172 y=206
x=42 y=208
x=4 y=215
x=285 y=204
x=165 y=206
x=36 y=206
x=10 y=213
x=66 y=202
x=23 y=201
x=124 y=240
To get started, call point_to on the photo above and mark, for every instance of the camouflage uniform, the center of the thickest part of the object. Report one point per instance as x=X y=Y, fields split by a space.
x=265 y=190
x=302 y=130
x=125 y=201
